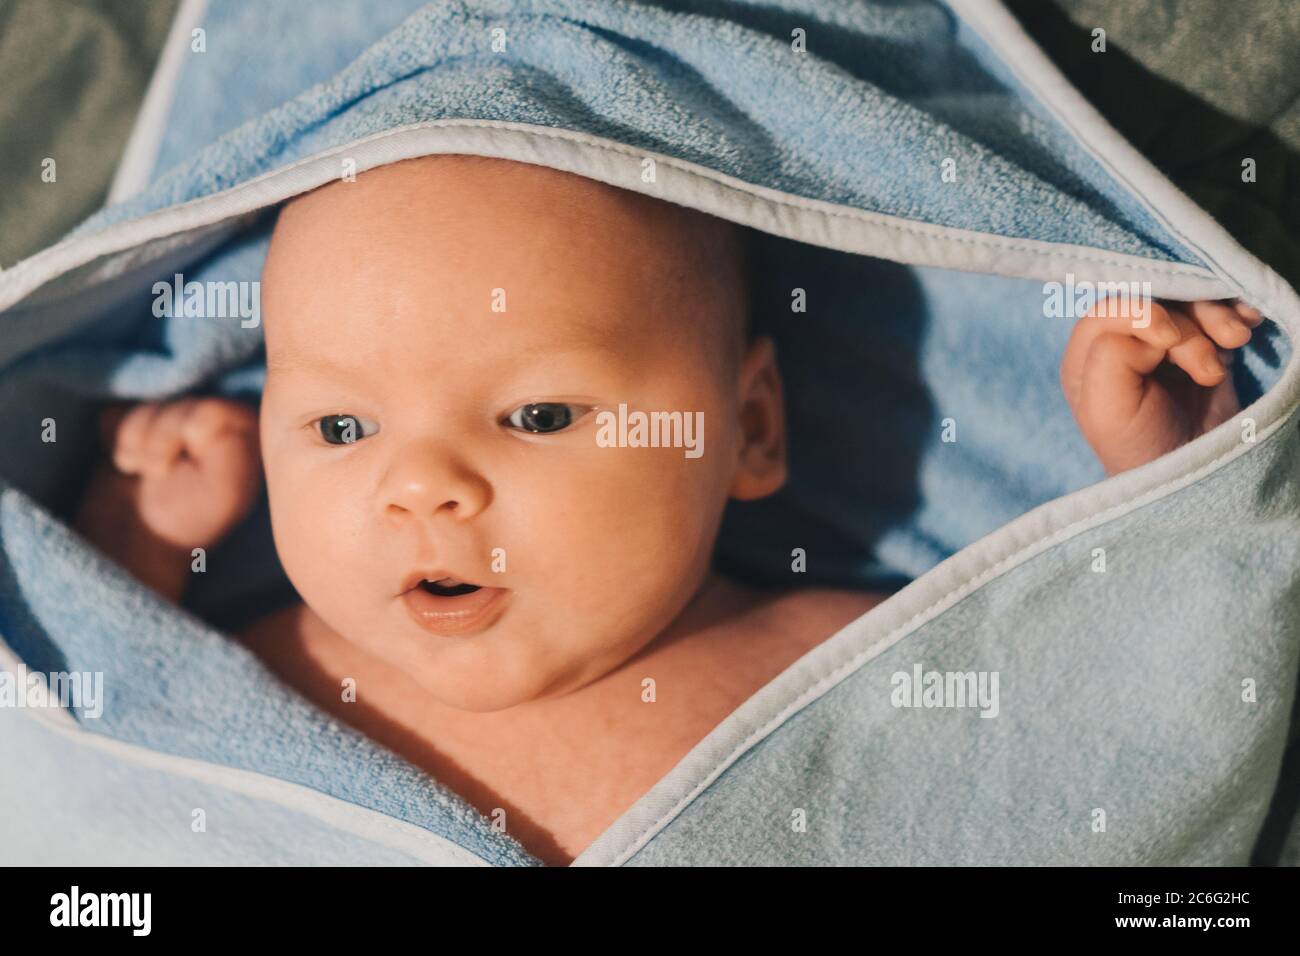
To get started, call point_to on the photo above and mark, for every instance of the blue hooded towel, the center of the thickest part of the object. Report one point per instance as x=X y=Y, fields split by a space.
x=942 y=196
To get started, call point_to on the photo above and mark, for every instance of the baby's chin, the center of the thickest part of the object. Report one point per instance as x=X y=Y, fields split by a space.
x=522 y=656
x=479 y=673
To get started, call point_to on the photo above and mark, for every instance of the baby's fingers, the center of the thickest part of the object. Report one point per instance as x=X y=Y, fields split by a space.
x=1196 y=354
x=1114 y=379
x=163 y=445
x=1148 y=322
x=213 y=423
x=1249 y=313
x=126 y=431
x=1221 y=322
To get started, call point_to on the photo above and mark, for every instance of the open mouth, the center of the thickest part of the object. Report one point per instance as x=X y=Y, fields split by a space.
x=450 y=606
x=448 y=587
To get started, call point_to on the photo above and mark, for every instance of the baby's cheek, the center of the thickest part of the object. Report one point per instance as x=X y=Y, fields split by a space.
x=314 y=529
x=635 y=528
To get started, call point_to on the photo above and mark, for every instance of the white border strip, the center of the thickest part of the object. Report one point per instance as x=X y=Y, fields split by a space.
x=342 y=815
x=805 y=220
x=142 y=145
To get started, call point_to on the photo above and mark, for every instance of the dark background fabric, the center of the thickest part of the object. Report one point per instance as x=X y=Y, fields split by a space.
x=72 y=75
x=1197 y=86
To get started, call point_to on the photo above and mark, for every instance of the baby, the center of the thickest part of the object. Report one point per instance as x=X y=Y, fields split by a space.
x=530 y=615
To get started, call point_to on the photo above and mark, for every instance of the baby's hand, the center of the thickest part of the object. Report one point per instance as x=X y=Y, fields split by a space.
x=1144 y=382
x=185 y=472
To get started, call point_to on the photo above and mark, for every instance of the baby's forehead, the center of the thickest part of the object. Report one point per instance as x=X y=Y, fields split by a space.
x=456 y=328
x=296 y=340
x=481 y=248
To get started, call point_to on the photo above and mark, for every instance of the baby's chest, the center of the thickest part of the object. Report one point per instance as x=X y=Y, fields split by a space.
x=557 y=780
x=557 y=790
x=554 y=780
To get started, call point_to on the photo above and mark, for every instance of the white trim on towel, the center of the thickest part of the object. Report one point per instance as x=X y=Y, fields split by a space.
x=141 y=152
x=795 y=217
x=371 y=825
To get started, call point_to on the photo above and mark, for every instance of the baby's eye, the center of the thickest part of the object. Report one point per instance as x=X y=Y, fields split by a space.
x=345 y=429
x=543 y=417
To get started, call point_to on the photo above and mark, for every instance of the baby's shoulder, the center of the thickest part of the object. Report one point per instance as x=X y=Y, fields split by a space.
x=275 y=628
x=285 y=639
x=837 y=602
x=812 y=615
x=300 y=649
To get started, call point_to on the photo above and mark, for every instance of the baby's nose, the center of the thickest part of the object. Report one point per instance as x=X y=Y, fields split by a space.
x=424 y=482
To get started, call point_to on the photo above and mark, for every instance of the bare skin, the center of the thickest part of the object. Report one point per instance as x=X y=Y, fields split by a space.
x=1146 y=378
x=611 y=647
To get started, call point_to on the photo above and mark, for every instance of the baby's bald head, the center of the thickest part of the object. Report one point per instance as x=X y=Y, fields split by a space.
x=703 y=263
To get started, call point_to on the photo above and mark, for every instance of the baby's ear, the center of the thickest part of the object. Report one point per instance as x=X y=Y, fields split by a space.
x=760 y=464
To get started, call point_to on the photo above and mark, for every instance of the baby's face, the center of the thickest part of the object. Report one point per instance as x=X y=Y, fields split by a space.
x=460 y=324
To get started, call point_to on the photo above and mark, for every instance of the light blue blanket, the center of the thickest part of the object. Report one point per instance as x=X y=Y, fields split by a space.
x=929 y=180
